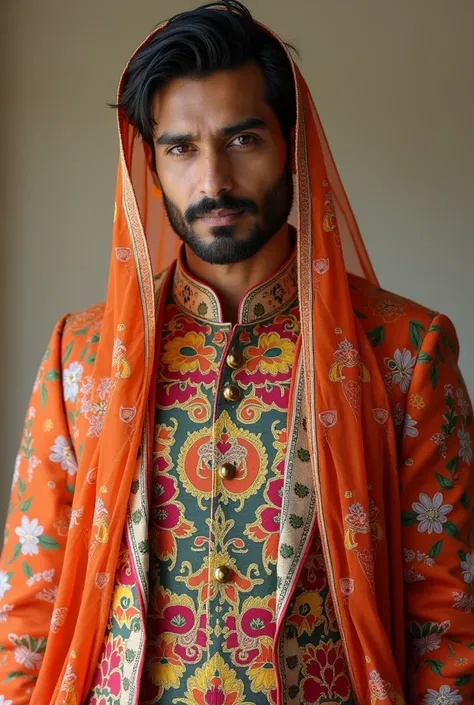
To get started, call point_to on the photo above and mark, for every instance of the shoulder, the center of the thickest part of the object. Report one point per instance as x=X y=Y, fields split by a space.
x=390 y=321
x=80 y=338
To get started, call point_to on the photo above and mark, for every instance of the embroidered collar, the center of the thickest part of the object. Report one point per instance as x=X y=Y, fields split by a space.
x=263 y=301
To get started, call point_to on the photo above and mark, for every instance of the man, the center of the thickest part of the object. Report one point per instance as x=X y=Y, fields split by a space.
x=245 y=479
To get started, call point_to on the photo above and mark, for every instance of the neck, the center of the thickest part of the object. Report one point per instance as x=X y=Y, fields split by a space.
x=232 y=281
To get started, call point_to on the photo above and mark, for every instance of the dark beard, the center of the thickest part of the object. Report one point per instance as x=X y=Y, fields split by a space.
x=274 y=211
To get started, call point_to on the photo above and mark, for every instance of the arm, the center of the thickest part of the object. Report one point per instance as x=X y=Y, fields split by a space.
x=437 y=502
x=36 y=530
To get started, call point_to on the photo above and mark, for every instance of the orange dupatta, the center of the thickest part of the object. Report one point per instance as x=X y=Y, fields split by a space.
x=344 y=453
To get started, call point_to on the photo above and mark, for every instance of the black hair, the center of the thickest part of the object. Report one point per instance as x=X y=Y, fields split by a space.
x=216 y=36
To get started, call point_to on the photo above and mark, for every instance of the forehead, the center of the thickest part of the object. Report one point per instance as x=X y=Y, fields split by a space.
x=186 y=104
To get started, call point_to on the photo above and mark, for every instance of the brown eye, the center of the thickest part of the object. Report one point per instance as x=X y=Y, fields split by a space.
x=244 y=140
x=180 y=149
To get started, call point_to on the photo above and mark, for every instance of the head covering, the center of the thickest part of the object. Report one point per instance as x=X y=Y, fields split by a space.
x=342 y=395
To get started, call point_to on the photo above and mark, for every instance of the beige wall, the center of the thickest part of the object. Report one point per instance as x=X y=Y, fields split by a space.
x=393 y=83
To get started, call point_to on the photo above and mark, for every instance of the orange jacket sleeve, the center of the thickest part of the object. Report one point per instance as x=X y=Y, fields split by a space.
x=437 y=492
x=37 y=525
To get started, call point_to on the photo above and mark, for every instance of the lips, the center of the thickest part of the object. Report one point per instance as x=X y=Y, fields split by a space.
x=221 y=217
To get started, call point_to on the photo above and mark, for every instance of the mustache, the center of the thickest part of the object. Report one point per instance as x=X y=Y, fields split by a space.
x=225 y=202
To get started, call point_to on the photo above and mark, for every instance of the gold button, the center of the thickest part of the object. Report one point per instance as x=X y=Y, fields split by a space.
x=223 y=574
x=227 y=471
x=231 y=392
x=235 y=359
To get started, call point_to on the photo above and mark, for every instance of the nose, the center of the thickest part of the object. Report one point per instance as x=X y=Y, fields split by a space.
x=215 y=174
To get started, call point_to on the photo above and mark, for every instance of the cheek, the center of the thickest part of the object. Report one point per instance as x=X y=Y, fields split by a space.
x=176 y=182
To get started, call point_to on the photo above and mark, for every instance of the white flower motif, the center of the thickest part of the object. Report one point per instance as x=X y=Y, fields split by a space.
x=443 y=696
x=71 y=379
x=466 y=446
x=5 y=702
x=425 y=644
x=27 y=658
x=4 y=611
x=467 y=568
x=463 y=601
x=64 y=454
x=431 y=513
x=409 y=427
x=28 y=534
x=4 y=584
x=401 y=367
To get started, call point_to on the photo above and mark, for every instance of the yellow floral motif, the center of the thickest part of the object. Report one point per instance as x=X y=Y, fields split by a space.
x=48 y=425
x=417 y=401
x=123 y=608
x=215 y=679
x=273 y=355
x=189 y=353
x=101 y=521
x=120 y=361
x=308 y=612
x=262 y=671
x=165 y=668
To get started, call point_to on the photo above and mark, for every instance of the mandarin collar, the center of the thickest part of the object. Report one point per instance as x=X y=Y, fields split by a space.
x=263 y=301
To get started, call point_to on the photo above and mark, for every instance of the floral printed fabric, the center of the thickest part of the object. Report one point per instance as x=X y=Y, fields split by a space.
x=432 y=416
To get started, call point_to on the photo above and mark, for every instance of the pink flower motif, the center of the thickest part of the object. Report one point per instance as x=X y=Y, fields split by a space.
x=108 y=673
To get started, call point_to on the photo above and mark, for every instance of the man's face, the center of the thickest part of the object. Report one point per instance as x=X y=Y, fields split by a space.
x=222 y=163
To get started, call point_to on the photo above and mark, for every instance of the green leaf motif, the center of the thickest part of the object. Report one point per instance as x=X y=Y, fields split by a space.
x=376 y=336
x=44 y=395
x=48 y=543
x=52 y=376
x=83 y=331
x=67 y=352
x=424 y=357
x=470 y=646
x=436 y=666
x=14 y=674
x=435 y=328
x=24 y=506
x=465 y=501
x=409 y=518
x=27 y=569
x=70 y=488
x=21 y=487
x=434 y=374
x=84 y=351
x=91 y=359
x=462 y=555
x=95 y=338
x=444 y=482
x=452 y=530
x=435 y=549
x=453 y=465
x=136 y=516
x=462 y=680
x=16 y=551
x=416 y=333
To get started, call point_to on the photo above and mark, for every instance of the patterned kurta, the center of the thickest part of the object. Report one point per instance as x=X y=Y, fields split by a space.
x=216 y=495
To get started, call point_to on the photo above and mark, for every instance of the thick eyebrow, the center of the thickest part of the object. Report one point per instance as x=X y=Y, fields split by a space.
x=251 y=123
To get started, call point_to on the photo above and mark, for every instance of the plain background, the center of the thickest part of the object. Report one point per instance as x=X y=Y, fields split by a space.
x=393 y=82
